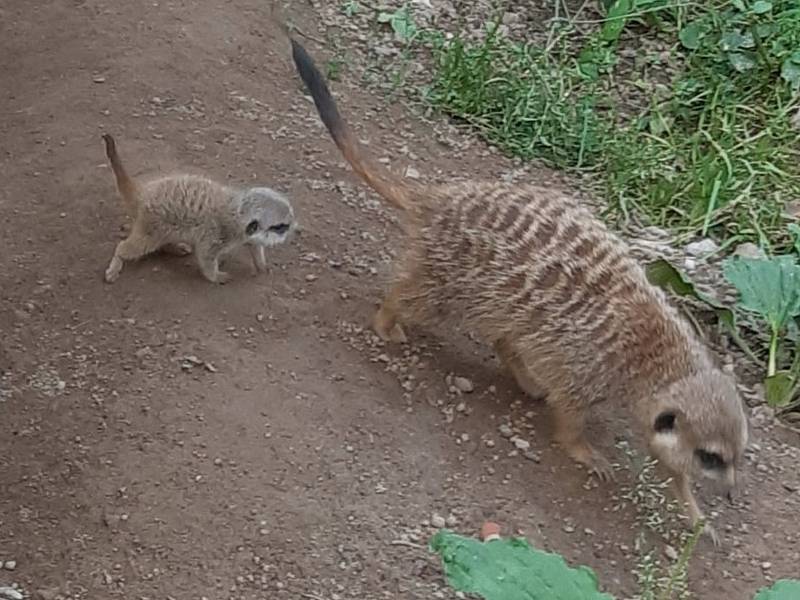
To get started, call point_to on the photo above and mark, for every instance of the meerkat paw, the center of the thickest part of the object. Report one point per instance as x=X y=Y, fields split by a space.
x=222 y=278
x=393 y=334
x=595 y=463
x=179 y=249
x=711 y=533
x=602 y=468
x=113 y=270
x=387 y=328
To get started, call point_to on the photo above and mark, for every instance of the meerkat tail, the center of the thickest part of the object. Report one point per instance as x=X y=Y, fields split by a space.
x=380 y=179
x=125 y=185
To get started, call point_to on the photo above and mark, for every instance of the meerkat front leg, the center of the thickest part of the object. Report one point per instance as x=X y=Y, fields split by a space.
x=133 y=247
x=208 y=259
x=386 y=320
x=259 y=257
x=570 y=434
x=683 y=487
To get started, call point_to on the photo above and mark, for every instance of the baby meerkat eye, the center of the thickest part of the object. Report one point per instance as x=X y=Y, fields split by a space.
x=252 y=227
x=280 y=228
x=711 y=461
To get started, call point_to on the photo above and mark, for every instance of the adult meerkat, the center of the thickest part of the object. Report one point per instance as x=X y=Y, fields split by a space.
x=566 y=307
x=190 y=213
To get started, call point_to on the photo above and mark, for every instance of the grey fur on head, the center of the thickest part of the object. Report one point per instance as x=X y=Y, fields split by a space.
x=266 y=214
x=190 y=213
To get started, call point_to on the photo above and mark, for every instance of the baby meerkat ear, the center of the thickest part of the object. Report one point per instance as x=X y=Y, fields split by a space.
x=252 y=227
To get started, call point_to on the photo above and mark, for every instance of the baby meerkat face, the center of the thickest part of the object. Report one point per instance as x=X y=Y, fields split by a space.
x=700 y=427
x=267 y=217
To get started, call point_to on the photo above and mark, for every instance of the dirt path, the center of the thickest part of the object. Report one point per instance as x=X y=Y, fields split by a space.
x=165 y=438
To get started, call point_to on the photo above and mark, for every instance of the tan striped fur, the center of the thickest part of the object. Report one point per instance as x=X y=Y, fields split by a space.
x=565 y=306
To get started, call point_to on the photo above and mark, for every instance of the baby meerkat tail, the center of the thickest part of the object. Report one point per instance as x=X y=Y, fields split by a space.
x=126 y=186
x=380 y=179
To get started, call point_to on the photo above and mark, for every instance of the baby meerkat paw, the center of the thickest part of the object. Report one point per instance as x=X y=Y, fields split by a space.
x=178 y=249
x=113 y=270
x=711 y=533
x=222 y=278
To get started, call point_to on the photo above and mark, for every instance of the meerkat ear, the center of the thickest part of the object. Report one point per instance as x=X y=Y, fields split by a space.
x=665 y=421
x=252 y=227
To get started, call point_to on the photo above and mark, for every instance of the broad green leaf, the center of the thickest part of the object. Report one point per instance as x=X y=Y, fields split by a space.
x=790 y=70
x=734 y=40
x=588 y=63
x=783 y=589
x=778 y=389
x=664 y=275
x=761 y=7
x=617 y=17
x=794 y=229
x=693 y=33
x=741 y=61
x=510 y=569
x=769 y=287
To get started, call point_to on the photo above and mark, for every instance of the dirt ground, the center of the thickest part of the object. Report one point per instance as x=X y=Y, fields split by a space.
x=164 y=438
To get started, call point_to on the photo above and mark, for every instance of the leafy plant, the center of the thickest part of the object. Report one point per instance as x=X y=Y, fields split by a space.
x=401 y=22
x=663 y=274
x=510 y=569
x=771 y=288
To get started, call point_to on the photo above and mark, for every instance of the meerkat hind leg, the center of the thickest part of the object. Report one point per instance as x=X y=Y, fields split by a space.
x=135 y=246
x=209 y=265
x=521 y=374
x=570 y=434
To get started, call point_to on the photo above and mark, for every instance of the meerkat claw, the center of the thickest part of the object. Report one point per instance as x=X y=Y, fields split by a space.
x=602 y=469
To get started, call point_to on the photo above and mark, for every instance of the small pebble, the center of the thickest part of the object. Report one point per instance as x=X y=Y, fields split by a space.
x=702 y=247
x=438 y=521
x=463 y=384
x=505 y=431
x=521 y=444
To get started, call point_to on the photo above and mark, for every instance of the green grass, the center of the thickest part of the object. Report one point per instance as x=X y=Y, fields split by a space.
x=715 y=150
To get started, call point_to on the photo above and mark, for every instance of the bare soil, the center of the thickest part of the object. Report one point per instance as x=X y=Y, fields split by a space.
x=163 y=437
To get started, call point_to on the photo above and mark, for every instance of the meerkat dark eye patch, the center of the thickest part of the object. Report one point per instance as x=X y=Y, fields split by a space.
x=252 y=227
x=664 y=422
x=711 y=461
x=280 y=228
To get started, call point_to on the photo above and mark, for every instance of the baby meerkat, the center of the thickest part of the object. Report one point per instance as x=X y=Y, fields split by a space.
x=190 y=213
x=563 y=303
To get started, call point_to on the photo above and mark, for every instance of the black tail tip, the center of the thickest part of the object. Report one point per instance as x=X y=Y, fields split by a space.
x=109 y=140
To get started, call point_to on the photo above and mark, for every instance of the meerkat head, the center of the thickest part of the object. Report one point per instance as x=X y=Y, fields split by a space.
x=266 y=216
x=698 y=426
